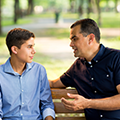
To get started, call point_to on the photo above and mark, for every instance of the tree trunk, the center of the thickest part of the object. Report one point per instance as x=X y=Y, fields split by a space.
x=80 y=9
x=72 y=6
x=89 y=8
x=16 y=11
x=30 y=6
x=94 y=6
x=116 y=2
x=99 y=12
x=0 y=19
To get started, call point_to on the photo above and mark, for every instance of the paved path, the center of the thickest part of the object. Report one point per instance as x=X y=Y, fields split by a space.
x=41 y=23
x=57 y=49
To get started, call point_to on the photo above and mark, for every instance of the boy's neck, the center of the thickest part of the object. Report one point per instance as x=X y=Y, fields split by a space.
x=17 y=66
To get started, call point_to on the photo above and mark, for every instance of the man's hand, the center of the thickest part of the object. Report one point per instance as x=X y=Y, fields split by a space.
x=78 y=103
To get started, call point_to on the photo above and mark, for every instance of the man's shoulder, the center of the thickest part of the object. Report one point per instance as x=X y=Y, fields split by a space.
x=79 y=60
x=112 y=51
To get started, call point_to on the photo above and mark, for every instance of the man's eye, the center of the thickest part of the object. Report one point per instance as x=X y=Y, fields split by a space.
x=74 y=39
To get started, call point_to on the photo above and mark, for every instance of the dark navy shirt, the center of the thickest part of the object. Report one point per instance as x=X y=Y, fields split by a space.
x=97 y=79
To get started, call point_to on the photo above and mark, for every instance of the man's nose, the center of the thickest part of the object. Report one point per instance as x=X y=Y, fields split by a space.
x=71 y=44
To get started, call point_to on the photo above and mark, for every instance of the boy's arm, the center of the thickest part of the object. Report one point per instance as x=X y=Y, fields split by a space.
x=46 y=103
x=0 y=107
x=49 y=118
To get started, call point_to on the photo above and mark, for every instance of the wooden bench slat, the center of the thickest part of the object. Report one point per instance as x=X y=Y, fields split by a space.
x=70 y=118
x=59 y=93
x=59 y=108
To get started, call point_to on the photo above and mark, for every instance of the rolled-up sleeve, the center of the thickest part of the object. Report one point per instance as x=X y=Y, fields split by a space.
x=1 y=113
x=48 y=112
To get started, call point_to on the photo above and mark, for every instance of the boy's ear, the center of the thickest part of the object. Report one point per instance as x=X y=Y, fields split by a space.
x=14 y=49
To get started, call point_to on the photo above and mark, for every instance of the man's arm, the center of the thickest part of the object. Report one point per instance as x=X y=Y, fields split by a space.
x=79 y=102
x=56 y=83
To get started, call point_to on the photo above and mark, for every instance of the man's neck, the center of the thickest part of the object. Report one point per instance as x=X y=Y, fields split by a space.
x=93 y=52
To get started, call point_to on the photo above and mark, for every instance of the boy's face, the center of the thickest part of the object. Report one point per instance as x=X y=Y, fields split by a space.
x=26 y=51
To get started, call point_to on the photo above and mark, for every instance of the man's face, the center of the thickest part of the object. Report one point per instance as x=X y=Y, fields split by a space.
x=27 y=51
x=79 y=43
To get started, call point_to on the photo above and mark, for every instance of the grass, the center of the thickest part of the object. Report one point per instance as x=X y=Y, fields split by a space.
x=58 y=33
x=113 y=42
x=109 y=19
x=2 y=41
x=6 y=21
x=56 y=67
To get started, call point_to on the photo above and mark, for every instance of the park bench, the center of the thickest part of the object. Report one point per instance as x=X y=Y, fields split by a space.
x=61 y=112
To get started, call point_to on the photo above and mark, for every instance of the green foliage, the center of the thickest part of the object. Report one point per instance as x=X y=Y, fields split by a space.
x=6 y=21
x=111 y=42
x=109 y=19
x=2 y=41
x=56 y=4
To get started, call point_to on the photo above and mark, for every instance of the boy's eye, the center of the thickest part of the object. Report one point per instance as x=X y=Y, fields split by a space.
x=29 y=46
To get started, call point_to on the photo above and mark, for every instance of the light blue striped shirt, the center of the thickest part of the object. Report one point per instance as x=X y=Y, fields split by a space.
x=26 y=96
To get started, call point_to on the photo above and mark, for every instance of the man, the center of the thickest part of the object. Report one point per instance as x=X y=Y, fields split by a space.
x=95 y=74
x=24 y=88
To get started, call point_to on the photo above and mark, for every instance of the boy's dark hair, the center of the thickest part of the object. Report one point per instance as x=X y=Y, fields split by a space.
x=88 y=26
x=17 y=37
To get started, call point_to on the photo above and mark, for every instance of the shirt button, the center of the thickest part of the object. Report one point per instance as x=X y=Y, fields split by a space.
x=96 y=60
x=101 y=116
x=107 y=75
x=95 y=91
x=22 y=90
x=22 y=103
x=92 y=78
x=21 y=114
x=91 y=66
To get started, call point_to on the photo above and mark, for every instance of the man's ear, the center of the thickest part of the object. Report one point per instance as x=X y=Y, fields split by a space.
x=91 y=38
x=14 y=49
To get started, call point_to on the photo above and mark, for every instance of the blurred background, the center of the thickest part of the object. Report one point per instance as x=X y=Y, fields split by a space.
x=50 y=21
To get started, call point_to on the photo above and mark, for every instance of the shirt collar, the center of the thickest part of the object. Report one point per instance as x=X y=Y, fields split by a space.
x=97 y=57
x=8 y=68
x=99 y=54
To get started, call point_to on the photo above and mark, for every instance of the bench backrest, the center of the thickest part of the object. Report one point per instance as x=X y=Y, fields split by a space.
x=61 y=112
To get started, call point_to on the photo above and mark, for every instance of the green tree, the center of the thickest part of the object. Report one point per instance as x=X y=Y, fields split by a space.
x=116 y=3
x=99 y=12
x=16 y=10
x=80 y=8
x=30 y=6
